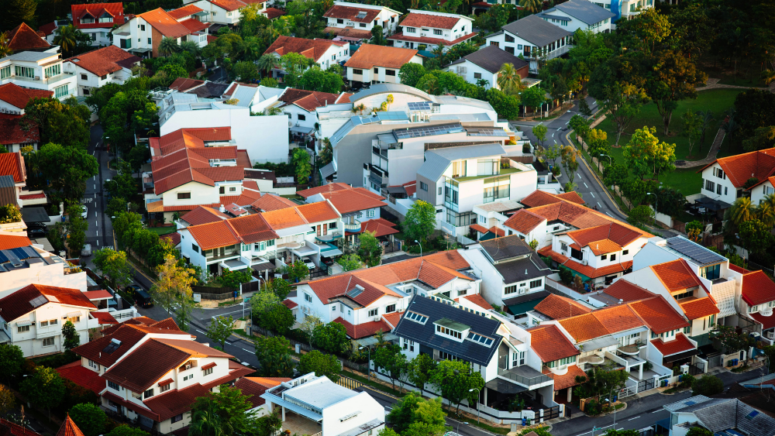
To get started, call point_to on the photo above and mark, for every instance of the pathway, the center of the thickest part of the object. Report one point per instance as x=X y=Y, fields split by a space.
x=712 y=153
x=714 y=84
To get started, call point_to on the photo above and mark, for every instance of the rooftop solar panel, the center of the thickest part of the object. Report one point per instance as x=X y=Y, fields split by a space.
x=419 y=132
x=38 y=301
x=693 y=251
x=419 y=106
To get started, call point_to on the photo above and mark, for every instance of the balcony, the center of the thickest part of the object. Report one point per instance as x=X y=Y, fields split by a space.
x=352 y=227
x=630 y=350
x=449 y=228
x=525 y=376
x=592 y=360
x=503 y=172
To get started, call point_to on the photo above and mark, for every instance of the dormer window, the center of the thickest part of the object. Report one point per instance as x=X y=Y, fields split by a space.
x=106 y=18
x=416 y=317
x=451 y=329
x=188 y=365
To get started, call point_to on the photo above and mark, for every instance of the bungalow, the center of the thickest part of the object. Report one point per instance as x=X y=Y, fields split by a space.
x=143 y=33
x=97 y=68
x=23 y=38
x=485 y=64
x=533 y=38
x=354 y=21
x=13 y=100
x=97 y=19
x=38 y=70
x=748 y=174
x=579 y=15
x=378 y=64
x=431 y=29
x=226 y=12
x=323 y=52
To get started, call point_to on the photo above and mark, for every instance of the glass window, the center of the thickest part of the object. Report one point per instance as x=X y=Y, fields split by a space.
x=535 y=283
x=48 y=342
x=22 y=328
x=390 y=309
x=53 y=70
x=62 y=91
x=148 y=393
x=207 y=372
x=437 y=31
x=165 y=388
x=5 y=72
x=25 y=72
x=184 y=195
x=373 y=312
x=460 y=219
x=410 y=30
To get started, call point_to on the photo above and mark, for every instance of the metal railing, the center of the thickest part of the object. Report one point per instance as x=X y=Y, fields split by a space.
x=526 y=381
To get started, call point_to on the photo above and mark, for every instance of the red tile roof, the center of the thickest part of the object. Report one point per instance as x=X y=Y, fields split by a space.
x=677 y=345
x=290 y=304
x=318 y=212
x=11 y=131
x=618 y=318
x=351 y=13
x=12 y=164
x=270 y=202
x=307 y=100
x=254 y=387
x=738 y=269
x=203 y=215
x=98 y=295
x=348 y=32
x=379 y=227
x=163 y=22
x=584 y=327
x=8 y=242
x=542 y=198
x=676 y=275
x=368 y=56
x=129 y=333
x=585 y=270
x=311 y=48
x=23 y=38
x=658 y=315
x=429 y=40
x=185 y=11
x=757 y=288
x=229 y=5
x=739 y=168
x=572 y=196
x=419 y=19
x=68 y=428
x=19 y=303
x=273 y=13
x=331 y=187
x=365 y=329
x=550 y=343
x=479 y=301
x=104 y=318
x=246 y=229
x=82 y=376
x=183 y=84
x=393 y=318
x=699 y=308
x=497 y=231
x=194 y=25
x=105 y=60
x=603 y=239
x=8 y=428
x=17 y=96
x=97 y=10
x=524 y=221
x=579 y=216
x=145 y=365
x=354 y=200
x=193 y=165
x=173 y=238
x=567 y=380
x=767 y=322
x=627 y=291
x=558 y=307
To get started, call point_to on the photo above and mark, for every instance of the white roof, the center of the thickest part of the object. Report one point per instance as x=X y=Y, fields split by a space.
x=320 y=393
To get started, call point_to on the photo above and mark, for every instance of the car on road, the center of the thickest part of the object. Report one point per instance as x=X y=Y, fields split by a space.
x=86 y=250
x=141 y=297
x=85 y=213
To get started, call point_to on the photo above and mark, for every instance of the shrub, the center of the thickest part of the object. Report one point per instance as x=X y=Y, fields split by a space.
x=89 y=418
x=707 y=385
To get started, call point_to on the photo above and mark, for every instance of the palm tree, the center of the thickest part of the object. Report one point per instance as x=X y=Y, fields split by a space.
x=168 y=46
x=359 y=109
x=439 y=53
x=765 y=213
x=206 y=421
x=274 y=111
x=268 y=62
x=532 y=6
x=191 y=47
x=4 y=49
x=741 y=211
x=509 y=79
x=66 y=38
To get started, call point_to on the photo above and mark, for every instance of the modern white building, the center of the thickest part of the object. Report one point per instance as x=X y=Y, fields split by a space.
x=432 y=29
x=719 y=416
x=354 y=21
x=331 y=409
x=533 y=38
x=97 y=19
x=624 y=9
x=576 y=15
x=38 y=70
x=32 y=264
x=97 y=68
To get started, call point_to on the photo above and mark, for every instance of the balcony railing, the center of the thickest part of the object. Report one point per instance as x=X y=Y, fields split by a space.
x=525 y=381
x=354 y=226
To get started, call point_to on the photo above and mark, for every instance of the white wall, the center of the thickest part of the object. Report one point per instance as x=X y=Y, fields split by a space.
x=472 y=73
x=139 y=33
x=368 y=410
x=727 y=193
x=48 y=275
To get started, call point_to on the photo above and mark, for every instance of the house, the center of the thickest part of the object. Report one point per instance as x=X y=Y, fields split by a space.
x=97 y=68
x=13 y=100
x=368 y=300
x=724 y=180
x=354 y=21
x=97 y=19
x=38 y=70
x=299 y=105
x=721 y=416
x=175 y=371
x=23 y=38
x=320 y=406
x=510 y=269
x=626 y=9
x=14 y=175
x=432 y=29
x=33 y=316
x=323 y=52
x=533 y=38
x=456 y=179
x=356 y=206
x=378 y=64
x=502 y=352
x=485 y=64
x=189 y=110
x=757 y=299
x=25 y=263
x=490 y=218
x=143 y=33
x=558 y=358
x=226 y=12
x=576 y=15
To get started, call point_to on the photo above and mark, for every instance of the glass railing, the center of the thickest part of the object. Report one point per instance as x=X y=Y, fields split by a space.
x=526 y=381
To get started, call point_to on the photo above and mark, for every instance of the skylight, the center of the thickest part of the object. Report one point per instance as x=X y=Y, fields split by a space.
x=38 y=301
x=416 y=317
x=357 y=290
x=752 y=415
x=484 y=340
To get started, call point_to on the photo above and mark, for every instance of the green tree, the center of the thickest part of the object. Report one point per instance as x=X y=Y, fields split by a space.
x=755 y=236
x=727 y=340
x=268 y=62
x=764 y=137
x=390 y=361
x=5 y=49
x=7 y=400
x=532 y=6
x=321 y=364
x=506 y=106
x=126 y=430
x=70 y=336
x=413 y=409
x=61 y=122
x=76 y=228
x=646 y=155
x=692 y=124
x=621 y=102
x=420 y=370
x=420 y=221
x=317 y=79
x=44 y=389
x=222 y=413
x=11 y=362
x=294 y=65
x=642 y=214
x=308 y=326
x=246 y=71
x=533 y=97
x=274 y=356
x=172 y=291
x=699 y=431
x=234 y=279
x=584 y=108
x=742 y=210
x=411 y=73
x=707 y=385
x=580 y=126
x=66 y=37
x=279 y=287
x=68 y=181
x=540 y=132
x=262 y=301
x=377 y=35
x=672 y=78
x=301 y=164
x=570 y=156
x=331 y=337
x=369 y=249
x=454 y=378
x=16 y=12
x=509 y=80
x=168 y=46
x=220 y=329
x=597 y=141
x=327 y=152
x=350 y=262
x=90 y=419
x=277 y=318
x=113 y=266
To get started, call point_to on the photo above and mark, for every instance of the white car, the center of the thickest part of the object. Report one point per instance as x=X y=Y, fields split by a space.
x=86 y=250
x=85 y=213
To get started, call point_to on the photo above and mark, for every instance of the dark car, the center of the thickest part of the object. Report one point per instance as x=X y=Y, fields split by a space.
x=141 y=297
x=37 y=232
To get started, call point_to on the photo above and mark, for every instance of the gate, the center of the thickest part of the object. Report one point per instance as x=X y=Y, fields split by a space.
x=349 y=383
x=552 y=412
x=627 y=392
x=646 y=385
x=714 y=360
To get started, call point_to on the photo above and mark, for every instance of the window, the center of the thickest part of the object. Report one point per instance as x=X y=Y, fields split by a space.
x=362 y=24
x=339 y=21
x=195 y=248
x=301 y=117
x=718 y=172
x=25 y=72
x=449 y=332
x=184 y=195
x=188 y=377
x=149 y=41
x=604 y=257
x=390 y=309
x=75 y=319
x=357 y=71
x=416 y=317
x=535 y=284
x=410 y=30
x=477 y=75
x=308 y=298
x=437 y=31
x=510 y=50
x=142 y=26
x=44 y=323
x=148 y=393
x=424 y=186
x=390 y=72
x=484 y=340
x=177 y=418
x=207 y=372
x=94 y=365
x=625 y=252
x=233 y=189
x=687 y=329
x=333 y=308
x=439 y=191
x=53 y=70
x=22 y=328
x=509 y=38
x=373 y=312
x=510 y=289
x=563 y=247
x=48 y=342
x=613 y=257
x=710 y=186
x=270 y=243
x=165 y=388
x=114 y=386
x=61 y=91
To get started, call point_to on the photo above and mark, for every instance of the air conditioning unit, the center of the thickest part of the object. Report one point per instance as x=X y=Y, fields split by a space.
x=685 y=369
x=584 y=262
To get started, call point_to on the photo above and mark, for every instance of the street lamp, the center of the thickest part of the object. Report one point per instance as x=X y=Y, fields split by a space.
x=418 y=243
x=655 y=205
x=610 y=159
x=477 y=402
x=369 y=349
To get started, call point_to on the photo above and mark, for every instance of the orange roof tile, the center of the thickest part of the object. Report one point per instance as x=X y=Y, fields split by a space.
x=354 y=200
x=627 y=291
x=368 y=56
x=676 y=275
x=345 y=98
x=284 y=218
x=183 y=84
x=618 y=318
x=415 y=19
x=8 y=242
x=497 y=231
x=246 y=229
x=23 y=38
x=757 y=288
x=203 y=215
x=105 y=60
x=567 y=380
x=559 y=307
x=363 y=330
x=168 y=26
x=677 y=345
x=95 y=11
x=11 y=131
x=479 y=228
x=104 y=318
x=584 y=327
x=318 y=212
x=351 y=13
x=229 y=5
x=524 y=221
x=185 y=11
x=307 y=100
x=611 y=236
x=479 y=301
x=741 y=167
x=194 y=25
x=658 y=315
x=542 y=198
x=550 y=343
x=699 y=308
x=331 y=187
x=68 y=428
x=271 y=202
x=572 y=196
x=379 y=227
x=82 y=376
x=17 y=96
x=310 y=48
x=738 y=269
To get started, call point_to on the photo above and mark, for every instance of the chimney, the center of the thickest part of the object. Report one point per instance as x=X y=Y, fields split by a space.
x=222 y=209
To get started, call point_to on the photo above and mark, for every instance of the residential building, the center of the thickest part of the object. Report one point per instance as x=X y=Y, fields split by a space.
x=458 y=178
x=189 y=110
x=354 y=21
x=68 y=428
x=97 y=68
x=369 y=300
x=175 y=371
x=432 y=29
x=490 y=218
x=757 y=299
x=13 y=100
x=486 y=63
x=724 y=180
x=720 y=416
x=357 y=207
x=226 y=12
x=24 y=263
x=97 y=19
x=23 y=38
x=299 y=105
x=38 y=70
x=33 y=316
x=510 y=269
x=558 y=359
x=14 y=174
x=576 y=15
x=624 y=9
x=533 y=38
x=316 y=405
x=378 y=64
x=143 y=33
x=254 y=387
x=323 y=51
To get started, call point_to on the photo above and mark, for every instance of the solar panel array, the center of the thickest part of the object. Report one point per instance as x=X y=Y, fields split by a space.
x=420 y=132
x=697 y=253
x=488 y=132
x=14 y=258
x=38 y=301
x=419 y=106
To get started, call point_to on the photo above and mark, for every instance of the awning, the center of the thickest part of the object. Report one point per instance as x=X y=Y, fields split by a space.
x=333 y=252
x=680 y=356
x=274 y=399
x=209 y=365
x=327 y=171
x=33 y=215
x=165 y=382
x=522 y=308
x=601 y=342
x=264 y=266
x=372 y=340
x=504 y=386
x=73 y=314
x=711 y=204
x=23 y=323
x=302 y=129
x=396 y=190
x=234 y=265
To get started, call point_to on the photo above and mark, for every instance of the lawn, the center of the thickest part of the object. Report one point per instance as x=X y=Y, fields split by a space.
x=163 y=230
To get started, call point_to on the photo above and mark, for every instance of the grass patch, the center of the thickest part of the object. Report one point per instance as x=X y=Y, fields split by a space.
x=472 y=422
x=227 y=303
x=740 y=369
x=163 y=230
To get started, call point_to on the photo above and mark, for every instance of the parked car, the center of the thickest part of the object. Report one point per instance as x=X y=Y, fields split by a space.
x=141 y=297
x=85 y=213
x=37 y=232
x=86 y=250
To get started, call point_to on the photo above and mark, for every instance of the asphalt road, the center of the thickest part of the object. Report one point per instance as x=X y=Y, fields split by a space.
x=100 y=230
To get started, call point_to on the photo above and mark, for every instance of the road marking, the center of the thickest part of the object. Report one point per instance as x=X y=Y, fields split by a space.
x=620 y=428
x=249 y=351
x=555 y=142
x=598 y=205
x=609 y=215
x=553 y=134
x=95 y=214
x=95 y=186
x=578 y=174
x=585 y=185
x=200 y=331
x=92 y=153
x=593 y=194
x=98 y=233
x=657 y=411
x=582 y=434
x=96 y=223
x=631 y=419
x=94 y=178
